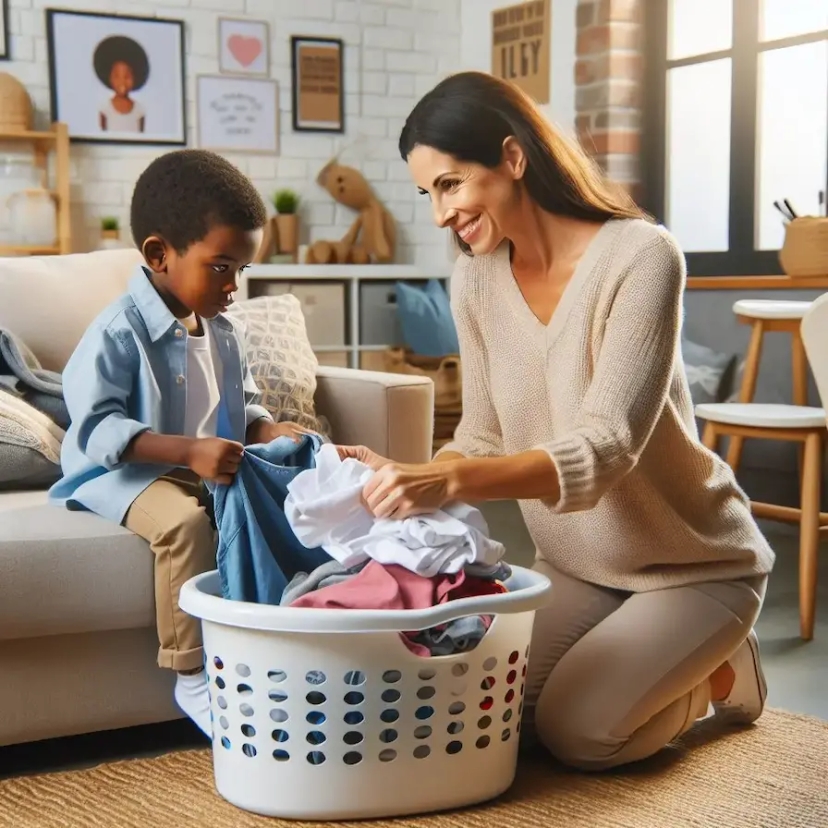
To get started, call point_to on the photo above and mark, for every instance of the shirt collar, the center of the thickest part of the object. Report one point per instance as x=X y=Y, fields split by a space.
x=156 y=315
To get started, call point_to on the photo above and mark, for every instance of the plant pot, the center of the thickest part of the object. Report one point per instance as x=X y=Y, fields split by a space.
x=111 y=235
x=287 y=232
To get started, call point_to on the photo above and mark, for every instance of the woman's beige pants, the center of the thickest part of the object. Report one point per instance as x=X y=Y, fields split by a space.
x=615 y=676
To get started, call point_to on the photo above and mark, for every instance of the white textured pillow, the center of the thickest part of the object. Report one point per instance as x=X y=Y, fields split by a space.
x=281 y=358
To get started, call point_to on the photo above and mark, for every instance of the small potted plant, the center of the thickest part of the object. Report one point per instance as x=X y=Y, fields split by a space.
x=110 y=228
x=286 y=203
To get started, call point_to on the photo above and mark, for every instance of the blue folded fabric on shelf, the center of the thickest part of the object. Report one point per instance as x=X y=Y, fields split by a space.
x=425 y=318
x=258 y=553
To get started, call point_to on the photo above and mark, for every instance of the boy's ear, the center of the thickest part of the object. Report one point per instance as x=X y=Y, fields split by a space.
x=154 y=249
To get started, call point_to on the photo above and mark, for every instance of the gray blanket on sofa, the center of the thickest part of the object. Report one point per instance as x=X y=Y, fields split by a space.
x=21 y=374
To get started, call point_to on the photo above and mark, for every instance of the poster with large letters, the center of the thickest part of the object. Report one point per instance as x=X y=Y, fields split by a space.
x=521 y=38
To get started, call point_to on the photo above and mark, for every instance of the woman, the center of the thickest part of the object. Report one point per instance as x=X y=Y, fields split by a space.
x=568 y=305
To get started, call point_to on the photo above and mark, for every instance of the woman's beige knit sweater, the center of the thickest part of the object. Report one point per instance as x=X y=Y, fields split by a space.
x=602 y=389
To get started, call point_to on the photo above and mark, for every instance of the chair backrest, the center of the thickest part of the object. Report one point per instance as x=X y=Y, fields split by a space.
x=815 y=338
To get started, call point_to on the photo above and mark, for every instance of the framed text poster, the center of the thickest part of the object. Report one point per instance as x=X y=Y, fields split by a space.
x=318 y=88
x=521 y=46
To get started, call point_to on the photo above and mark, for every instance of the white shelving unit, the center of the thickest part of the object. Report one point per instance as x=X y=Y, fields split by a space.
x=351 y=277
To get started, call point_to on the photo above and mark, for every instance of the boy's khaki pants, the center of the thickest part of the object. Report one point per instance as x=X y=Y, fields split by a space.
x=172 y=515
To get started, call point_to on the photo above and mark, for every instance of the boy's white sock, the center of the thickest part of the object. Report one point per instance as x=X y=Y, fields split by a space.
x=192 y=697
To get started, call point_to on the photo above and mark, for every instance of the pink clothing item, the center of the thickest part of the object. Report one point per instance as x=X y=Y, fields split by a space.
x=394 y=587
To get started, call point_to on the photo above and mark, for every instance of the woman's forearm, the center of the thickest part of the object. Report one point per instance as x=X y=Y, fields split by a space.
x=530 y=475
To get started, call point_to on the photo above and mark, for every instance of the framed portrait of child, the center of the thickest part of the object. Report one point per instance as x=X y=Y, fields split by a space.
x=116 y=79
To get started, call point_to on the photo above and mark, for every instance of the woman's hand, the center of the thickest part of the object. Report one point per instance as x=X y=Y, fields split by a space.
x=363 y=455
x=266 y=431
x=401 y=490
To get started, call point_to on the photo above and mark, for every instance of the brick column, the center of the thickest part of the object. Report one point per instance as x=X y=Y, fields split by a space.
x=608 y=79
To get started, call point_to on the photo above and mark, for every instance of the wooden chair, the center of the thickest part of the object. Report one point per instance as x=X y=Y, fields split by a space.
x=792 y=423
x=769 y=316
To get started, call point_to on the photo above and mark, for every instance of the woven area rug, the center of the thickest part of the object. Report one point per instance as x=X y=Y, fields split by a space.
x=772 y=775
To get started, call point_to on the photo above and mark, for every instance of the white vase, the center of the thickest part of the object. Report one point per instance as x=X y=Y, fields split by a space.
x=33 y=218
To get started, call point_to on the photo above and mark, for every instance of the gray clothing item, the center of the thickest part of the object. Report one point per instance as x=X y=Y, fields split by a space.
x=498 y=572
x=459 y=636
x=328 y=574
x=22 y=375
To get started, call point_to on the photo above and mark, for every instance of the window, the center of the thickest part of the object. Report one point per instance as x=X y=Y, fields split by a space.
x=736 y=118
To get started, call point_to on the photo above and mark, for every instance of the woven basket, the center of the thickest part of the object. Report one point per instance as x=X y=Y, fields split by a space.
x=446 y=374
x=805 y=251
x=15 y=105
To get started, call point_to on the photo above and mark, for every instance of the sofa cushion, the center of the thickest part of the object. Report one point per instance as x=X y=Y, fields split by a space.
x=281 y=358
x=49 y=301
x=67 y=572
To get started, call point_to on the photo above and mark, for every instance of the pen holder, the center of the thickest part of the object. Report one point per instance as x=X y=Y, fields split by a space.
x=805 y=250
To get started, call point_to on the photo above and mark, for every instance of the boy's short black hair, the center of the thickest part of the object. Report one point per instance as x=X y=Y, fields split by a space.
x=120 y=49
x=182 y=195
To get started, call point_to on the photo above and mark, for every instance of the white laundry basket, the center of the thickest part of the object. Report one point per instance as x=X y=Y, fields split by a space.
x=325 y=714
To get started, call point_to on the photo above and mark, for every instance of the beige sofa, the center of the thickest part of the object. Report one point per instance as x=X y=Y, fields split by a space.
x=77 y=637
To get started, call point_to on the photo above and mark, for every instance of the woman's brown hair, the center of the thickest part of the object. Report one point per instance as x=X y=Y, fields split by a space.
x=469 y=115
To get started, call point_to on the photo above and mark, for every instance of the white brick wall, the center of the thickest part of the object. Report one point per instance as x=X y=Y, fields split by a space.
x=395 y=50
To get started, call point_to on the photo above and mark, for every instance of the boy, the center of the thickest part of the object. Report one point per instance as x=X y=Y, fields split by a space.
x=159 y=392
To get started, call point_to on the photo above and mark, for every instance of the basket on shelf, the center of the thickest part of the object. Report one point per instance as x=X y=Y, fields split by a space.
x=805 y=250
x=15 y=105
x=446 y=373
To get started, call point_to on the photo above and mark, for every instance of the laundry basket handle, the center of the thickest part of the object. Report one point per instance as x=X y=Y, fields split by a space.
x=200 y=597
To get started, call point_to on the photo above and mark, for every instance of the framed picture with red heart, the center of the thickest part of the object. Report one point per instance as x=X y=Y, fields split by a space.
x=244 y=47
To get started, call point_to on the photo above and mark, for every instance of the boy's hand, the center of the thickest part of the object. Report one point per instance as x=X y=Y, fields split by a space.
x=214 y=459
x=265 y=431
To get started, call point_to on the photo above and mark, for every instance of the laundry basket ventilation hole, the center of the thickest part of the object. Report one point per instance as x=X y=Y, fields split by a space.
x=435 y=685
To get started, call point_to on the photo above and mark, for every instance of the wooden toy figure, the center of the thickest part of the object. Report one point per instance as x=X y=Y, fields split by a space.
x=373 y=235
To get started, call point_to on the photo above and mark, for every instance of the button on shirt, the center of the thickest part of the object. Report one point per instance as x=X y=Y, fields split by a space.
x=129 y=375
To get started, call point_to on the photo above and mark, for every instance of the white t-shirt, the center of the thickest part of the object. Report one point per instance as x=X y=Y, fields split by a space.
x=123 y=121
x=203 y=381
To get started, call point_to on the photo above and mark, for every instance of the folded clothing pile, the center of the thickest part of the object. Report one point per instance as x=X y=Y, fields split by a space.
x=33 y=417
x=293 y=524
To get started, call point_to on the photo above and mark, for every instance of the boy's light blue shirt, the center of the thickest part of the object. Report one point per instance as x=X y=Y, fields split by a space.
x=129 y=375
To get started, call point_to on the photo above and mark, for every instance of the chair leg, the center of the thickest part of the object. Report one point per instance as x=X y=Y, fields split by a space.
x=809 y=534
x=799 y=365
x=710 y=436
x=748 y=389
